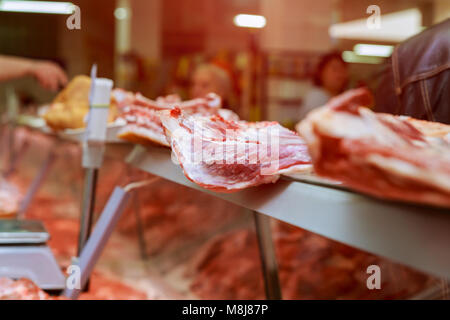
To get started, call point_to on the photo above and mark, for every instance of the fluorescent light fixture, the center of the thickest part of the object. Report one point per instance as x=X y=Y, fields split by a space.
x=351 y=57
x=373 y=50
x=49 y=7
x=394 y=27
x=250 y=21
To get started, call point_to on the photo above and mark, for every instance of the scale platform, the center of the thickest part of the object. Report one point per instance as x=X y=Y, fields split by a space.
x=24 y=254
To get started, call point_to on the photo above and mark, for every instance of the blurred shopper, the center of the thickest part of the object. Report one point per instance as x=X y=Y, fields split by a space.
x=330 y=79
x=211 y=78
x=417 y=79
x=49 y=75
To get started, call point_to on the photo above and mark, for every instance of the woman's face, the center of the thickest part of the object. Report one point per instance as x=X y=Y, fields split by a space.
x=335 y=76
x=203 y=82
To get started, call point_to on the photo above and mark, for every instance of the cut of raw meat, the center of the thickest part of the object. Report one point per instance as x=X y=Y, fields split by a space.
x=227 y=267
x=143 y=126
x=380 y=154
x=142 y=114
x=430 y=129
x=227 y=156
x=309 y=266
x=126 y=99
x=101 y=288
x=22 y=289
x=9 y=200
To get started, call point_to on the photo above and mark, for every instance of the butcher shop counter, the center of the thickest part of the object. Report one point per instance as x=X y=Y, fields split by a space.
x=417 y=236
x=114 y=149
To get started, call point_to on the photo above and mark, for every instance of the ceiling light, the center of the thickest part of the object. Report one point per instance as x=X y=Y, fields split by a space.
x=373 y=50
x=250 y=21
x=351 y=57
x=50 y=7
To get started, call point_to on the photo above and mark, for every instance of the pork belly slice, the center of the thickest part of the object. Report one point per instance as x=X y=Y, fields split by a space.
x=227 y=156
x=386 y=156
x=143 y=126
x=142 y=114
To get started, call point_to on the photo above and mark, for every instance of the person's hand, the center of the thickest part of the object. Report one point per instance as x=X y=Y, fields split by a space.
x=49 y=75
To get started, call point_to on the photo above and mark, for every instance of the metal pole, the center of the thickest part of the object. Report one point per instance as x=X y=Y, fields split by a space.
x=93 y=150
x=268 y=258
x=88 y=205
x=97 y=241
x=87 y=211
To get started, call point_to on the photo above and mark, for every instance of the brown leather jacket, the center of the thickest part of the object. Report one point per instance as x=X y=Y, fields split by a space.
x=417 y=80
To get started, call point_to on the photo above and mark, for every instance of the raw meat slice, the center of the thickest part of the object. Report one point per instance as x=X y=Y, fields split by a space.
x=143 y=126
x=227 y=267
x=126 y=99
x=101 y=288
x=226 y=156
x=142 y=114
x=22 y=289
x=430 y=129
x=380 y=154
x=9 y=200
x=309 y=266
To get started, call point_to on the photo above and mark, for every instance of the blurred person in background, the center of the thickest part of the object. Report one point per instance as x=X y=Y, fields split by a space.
x=49 y=75
x=330 y=79
x=209 y=78
x=416 y=81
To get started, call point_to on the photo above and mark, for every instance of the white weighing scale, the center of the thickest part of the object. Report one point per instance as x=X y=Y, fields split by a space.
x=23 y=243
x=24 y=254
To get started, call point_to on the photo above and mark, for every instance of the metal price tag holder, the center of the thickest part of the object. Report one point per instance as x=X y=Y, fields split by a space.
x=93 y=248
x=104 y=227
x=93 y=150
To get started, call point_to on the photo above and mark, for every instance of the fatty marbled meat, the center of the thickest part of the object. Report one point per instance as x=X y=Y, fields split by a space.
x=310 y=267
x=22 y=289
x=143 y=115
x=386 y=156
x=227 y=156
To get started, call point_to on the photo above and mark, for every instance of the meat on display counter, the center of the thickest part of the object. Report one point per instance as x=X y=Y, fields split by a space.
x=413 y=235
x=416 y=236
